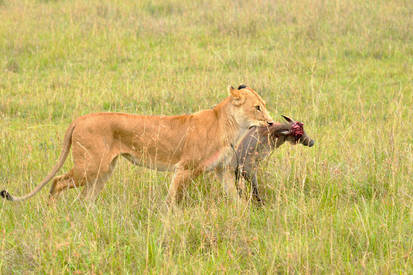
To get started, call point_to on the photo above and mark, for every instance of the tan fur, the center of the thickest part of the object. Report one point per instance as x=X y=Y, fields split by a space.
x=186 y=144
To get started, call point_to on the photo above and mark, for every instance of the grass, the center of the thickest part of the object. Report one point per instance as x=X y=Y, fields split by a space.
x=344 y=68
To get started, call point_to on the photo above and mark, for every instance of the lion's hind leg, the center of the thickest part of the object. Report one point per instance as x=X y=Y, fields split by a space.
x=64 y=182
x=97 y=176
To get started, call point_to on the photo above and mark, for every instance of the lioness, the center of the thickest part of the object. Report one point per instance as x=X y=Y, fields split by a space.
x=186 y=144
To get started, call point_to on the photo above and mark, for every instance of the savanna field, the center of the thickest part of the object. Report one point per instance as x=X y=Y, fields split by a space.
x=344 y=68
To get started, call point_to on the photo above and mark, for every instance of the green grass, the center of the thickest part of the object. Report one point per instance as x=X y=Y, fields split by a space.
x=344 y=68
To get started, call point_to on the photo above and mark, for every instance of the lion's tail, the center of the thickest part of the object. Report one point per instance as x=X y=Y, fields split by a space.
x=63 y=155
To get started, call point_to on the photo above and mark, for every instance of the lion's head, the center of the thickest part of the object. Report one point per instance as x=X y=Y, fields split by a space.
x=248 y=107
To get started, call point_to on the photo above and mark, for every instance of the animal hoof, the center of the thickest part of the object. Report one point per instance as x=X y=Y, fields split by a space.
x=260 y=203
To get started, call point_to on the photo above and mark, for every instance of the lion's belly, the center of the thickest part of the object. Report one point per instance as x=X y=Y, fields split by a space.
x=149 y=163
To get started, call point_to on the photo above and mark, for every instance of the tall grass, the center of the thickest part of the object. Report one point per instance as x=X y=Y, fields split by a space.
x=344 y=68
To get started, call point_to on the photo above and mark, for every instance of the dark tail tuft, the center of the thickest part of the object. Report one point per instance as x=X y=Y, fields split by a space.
x=6 y=195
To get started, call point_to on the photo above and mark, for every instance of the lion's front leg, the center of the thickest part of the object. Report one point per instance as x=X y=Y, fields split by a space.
x=181 y=177
x=227 y=178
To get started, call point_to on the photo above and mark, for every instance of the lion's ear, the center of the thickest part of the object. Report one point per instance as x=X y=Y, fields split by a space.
x=231 y=90
x=237 y=97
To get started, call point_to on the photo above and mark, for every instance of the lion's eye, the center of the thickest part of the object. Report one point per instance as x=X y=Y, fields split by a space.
x=258 y=108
